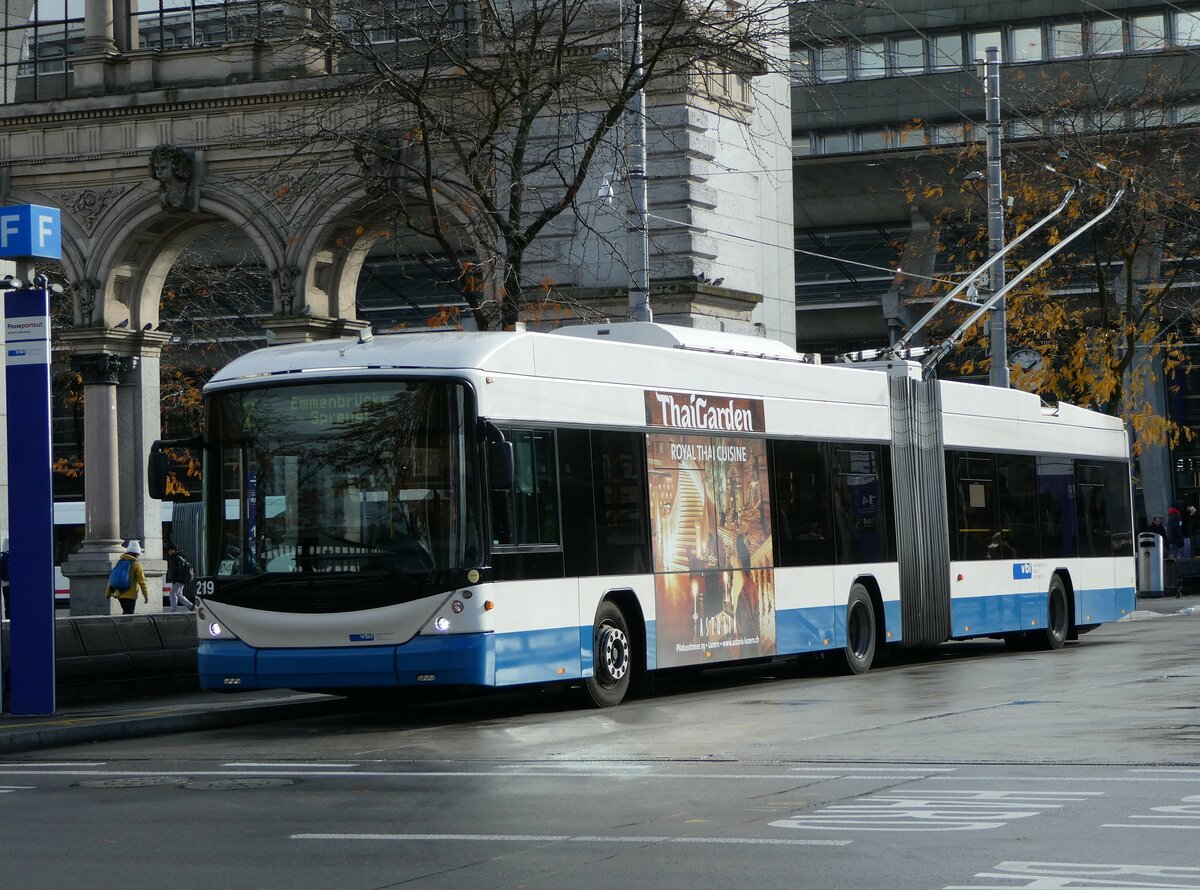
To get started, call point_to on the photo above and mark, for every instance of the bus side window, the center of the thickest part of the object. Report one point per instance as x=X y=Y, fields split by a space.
x=528 y=512
x=622 y=511
x=1017 y=477
x=803 y=516
x=976 y=506
x=858 y=505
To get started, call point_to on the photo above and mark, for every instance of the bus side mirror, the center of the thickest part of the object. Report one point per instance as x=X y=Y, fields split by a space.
x=157 y=470
x=500 y=465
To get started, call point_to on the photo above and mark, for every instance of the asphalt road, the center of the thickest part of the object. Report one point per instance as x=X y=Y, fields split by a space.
x=967 y=767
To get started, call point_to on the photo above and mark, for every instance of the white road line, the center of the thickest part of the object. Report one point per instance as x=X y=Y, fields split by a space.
x=577 y=839
x=70 y=765
x=418 y=774
x=910 y=767
x=1190 y=772
x=1140 y=779
x=1156 y=826
x=289 y=764
x=8 y=789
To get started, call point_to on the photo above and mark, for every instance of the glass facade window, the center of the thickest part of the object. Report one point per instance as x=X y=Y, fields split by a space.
x=1027 y=44
x=1187 y=114
x=831 y=63
x=951 y=134
x=911 y=136
x=870 y=59
x=1108 y=37
x=1187 y=28
x=801 y=66
x=1025 y=128
x=1066 y=40
x=835 y=143
x=946 y=51
x=1148 y=32
x=801 y=145
x=908 y=55
x=874 y=140
x=981 y=40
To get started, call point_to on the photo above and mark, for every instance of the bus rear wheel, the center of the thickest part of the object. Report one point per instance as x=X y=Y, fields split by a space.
x=612 y=657
x=858 y=654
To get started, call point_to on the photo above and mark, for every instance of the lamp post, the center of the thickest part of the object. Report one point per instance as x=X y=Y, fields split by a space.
x=997 y=324
x=639 y=235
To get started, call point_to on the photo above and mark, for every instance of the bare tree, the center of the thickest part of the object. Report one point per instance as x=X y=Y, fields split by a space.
x=478 y=125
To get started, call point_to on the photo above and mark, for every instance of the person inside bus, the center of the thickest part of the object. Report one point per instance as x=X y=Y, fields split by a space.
x=999 y=548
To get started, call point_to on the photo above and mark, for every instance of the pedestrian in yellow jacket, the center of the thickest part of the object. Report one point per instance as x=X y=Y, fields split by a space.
x=137 y=579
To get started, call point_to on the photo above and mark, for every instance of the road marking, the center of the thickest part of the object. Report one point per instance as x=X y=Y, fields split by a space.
x=424 y=774
x=867 y=773
x=72 y=765
x=1138 y=779
x=1044 y=875
x=9 y=789
x=295 y=765
x=877 y=769
x=1188 y=808
x=577 y=839
x=934 y=810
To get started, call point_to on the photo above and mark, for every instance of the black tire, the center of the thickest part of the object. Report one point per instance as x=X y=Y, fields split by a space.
x=1058 y=618
x=612 y=657
x=857 y=656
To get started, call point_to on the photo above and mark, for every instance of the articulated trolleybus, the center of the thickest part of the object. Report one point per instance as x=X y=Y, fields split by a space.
x=593 y=505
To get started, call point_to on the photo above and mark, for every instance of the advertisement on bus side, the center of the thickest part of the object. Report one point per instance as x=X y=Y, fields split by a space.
x=713 y=558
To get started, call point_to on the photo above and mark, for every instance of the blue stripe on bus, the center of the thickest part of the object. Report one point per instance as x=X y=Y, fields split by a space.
x=983 y=615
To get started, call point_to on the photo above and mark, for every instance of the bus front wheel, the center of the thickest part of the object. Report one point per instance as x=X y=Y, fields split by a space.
x=1058 y=618
x=612 y=658
x=858 y=654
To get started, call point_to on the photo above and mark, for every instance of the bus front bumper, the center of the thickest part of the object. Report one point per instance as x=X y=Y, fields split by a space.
x=444 y=660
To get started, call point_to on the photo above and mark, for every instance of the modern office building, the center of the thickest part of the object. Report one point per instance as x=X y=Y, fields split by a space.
x=886 y=92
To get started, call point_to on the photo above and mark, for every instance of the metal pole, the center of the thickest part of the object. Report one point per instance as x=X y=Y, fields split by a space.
x=639 y=233
x=997 y=326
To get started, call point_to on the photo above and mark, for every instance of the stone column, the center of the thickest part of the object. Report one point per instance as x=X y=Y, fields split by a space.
x=99 y=27
x=102 y=543
x=139 y=419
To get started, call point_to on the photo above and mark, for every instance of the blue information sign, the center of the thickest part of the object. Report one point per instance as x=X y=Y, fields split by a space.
x=30 y=502
x=30 y=230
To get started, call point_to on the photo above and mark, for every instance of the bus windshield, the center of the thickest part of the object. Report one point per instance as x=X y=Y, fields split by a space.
x=342 y=477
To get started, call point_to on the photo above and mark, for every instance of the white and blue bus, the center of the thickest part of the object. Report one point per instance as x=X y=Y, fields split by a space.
x=599 y=503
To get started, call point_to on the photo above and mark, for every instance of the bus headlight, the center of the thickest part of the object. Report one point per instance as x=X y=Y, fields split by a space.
x=215 y=630
x=456 y=607
x=443 y=623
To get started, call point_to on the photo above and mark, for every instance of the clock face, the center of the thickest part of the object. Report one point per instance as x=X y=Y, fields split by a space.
x=1026 y=359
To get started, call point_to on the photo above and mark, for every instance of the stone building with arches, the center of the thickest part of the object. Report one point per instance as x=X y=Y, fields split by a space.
x=147 y=145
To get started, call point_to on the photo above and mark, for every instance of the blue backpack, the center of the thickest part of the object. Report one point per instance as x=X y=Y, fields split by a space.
x=121 y=576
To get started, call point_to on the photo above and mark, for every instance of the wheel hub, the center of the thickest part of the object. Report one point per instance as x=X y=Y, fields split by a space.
x=614 y=653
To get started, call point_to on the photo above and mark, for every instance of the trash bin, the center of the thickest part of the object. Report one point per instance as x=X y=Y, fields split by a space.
x=1150 y=564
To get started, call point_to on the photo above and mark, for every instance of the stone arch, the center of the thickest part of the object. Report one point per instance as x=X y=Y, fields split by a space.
x=136 y=251
x=338 y=239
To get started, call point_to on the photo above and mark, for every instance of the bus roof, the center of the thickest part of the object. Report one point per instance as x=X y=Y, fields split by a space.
x=598 y=373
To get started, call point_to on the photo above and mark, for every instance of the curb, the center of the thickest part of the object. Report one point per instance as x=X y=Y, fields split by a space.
x=78 y=730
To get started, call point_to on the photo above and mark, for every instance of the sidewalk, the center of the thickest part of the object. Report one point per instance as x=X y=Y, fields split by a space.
x=1169 y=605
x=153 y=715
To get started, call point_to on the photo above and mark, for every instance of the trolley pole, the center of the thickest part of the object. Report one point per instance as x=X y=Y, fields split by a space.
x=997 y=322
x=639 y=235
